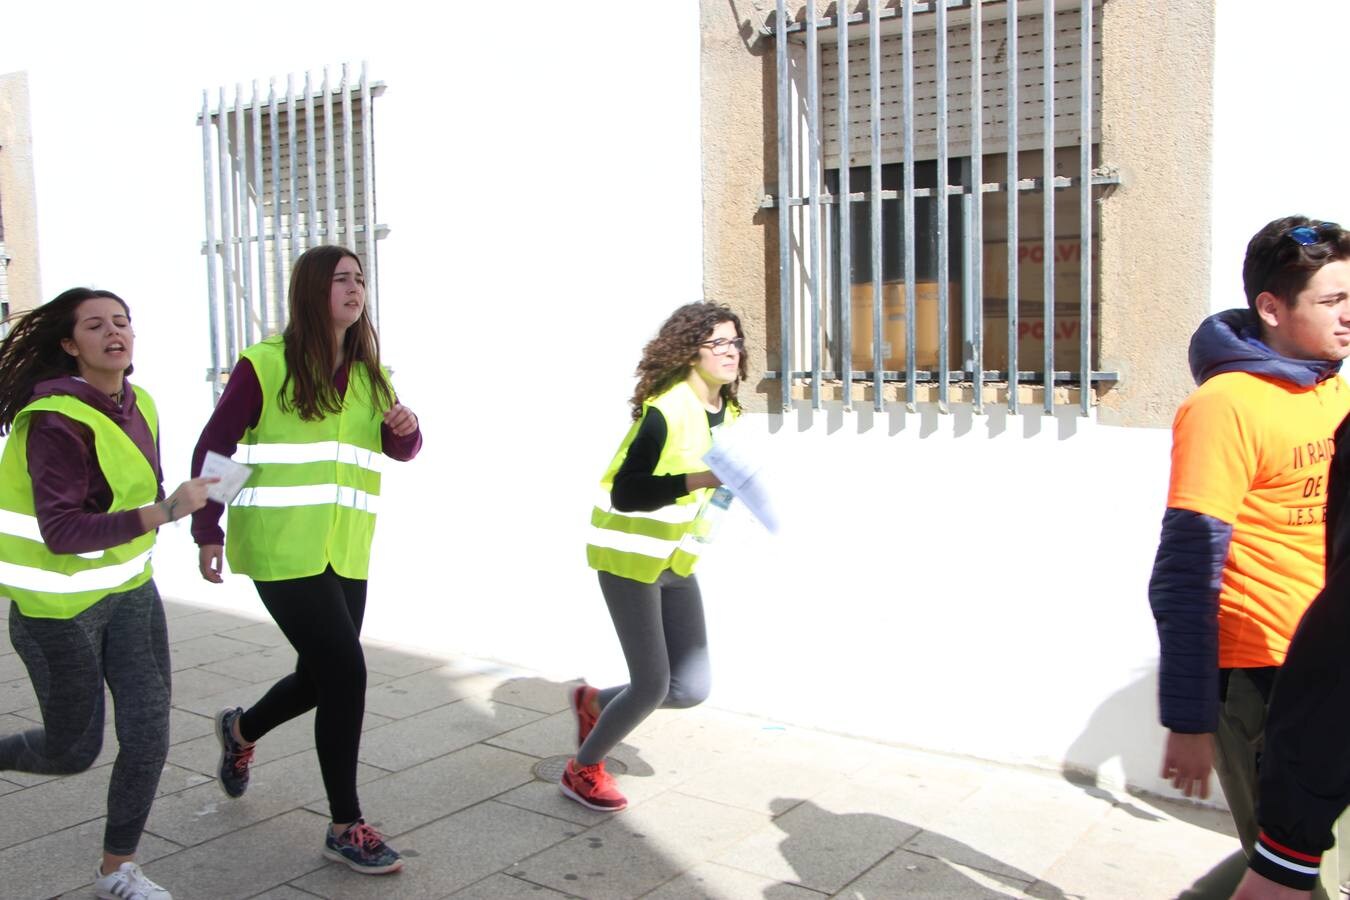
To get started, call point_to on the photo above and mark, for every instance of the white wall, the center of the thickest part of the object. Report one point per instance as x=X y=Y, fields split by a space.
x=1280 y=125
x=976 y=585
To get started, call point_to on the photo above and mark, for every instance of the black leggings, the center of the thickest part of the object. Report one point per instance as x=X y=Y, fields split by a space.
x=321 y=617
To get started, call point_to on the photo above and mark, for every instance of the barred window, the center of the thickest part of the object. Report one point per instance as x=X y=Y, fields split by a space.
x=881 y=283
x=283 y=172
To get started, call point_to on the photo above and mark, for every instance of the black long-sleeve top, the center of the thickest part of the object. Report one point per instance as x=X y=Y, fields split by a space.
x=635 y=488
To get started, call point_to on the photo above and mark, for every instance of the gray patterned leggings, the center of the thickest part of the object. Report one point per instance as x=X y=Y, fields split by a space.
x=121 y=639
x=665 y=643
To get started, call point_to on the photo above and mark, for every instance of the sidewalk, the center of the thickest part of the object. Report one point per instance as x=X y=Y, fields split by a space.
x=458 y=768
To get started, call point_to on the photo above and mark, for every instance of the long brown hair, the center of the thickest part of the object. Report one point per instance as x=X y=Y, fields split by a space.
x=666 y=358
x=310 y=343
x=32 y=351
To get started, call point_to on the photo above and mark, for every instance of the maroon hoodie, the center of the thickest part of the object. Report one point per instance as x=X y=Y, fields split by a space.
x=71 y=496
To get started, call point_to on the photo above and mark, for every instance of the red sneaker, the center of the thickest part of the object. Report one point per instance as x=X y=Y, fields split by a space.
x=581 y=708
x=592 y=787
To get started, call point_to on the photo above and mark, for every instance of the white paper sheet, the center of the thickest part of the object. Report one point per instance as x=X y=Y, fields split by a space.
x=232 y=476
x=740 y=469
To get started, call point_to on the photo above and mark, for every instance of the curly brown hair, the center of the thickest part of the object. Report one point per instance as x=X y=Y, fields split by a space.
x=667 y=357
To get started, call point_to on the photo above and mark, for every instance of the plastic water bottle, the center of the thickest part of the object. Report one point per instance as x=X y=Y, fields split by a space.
x=705 y=525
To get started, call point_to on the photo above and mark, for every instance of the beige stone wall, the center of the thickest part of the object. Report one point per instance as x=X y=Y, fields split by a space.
x=18 y=199
x=740 y=240
x=1156 y=130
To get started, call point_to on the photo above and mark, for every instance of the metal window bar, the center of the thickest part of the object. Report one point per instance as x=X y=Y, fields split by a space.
x=1048 y=204
x=1014 y=257
x=972 y=190
x=813 y=144
x=845 y=219
x=874 y=89
x=258 y=171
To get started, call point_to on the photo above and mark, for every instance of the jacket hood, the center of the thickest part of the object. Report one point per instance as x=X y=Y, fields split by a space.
x=74 y=386
x=1230 y=341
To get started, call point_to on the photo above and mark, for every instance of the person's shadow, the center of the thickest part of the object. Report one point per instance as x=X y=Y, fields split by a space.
x=876 y=856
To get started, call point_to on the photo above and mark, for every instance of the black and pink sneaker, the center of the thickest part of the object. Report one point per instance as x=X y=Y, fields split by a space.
x=235 y=758
x=362 y=849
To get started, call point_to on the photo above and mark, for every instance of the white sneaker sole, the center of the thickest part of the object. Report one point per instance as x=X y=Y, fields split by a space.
x=573 y=795
x=364 y=870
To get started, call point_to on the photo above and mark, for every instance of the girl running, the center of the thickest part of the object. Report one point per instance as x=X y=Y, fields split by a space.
x=645 y=537
x=313 y=411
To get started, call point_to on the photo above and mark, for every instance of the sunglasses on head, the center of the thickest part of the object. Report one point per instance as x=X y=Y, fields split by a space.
x=1307 y=235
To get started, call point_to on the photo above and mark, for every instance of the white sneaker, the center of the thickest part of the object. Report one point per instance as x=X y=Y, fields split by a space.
x=128 y=882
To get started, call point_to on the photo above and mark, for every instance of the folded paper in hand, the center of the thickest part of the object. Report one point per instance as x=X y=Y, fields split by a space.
x=737 y=468
x=232 y=475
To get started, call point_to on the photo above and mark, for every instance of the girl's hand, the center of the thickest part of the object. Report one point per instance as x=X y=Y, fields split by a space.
x=400 y=420
x=185 y=500
x=695 y=480
x=209 y=562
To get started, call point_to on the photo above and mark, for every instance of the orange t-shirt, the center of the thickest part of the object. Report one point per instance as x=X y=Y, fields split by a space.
x=1255 y=452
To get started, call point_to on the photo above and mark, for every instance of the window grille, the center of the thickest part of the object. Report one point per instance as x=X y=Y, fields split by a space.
x=282 y=173
x=888 y=285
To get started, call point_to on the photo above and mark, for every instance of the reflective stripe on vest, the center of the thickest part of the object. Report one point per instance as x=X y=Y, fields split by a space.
x=642 y=544
x=308 y=495
x=103 y=578
x=312 y=498
x=319 y=451
x=50 y=585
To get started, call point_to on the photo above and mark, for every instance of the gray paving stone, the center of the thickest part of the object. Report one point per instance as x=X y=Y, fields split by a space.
x=286 y=892
x=16 y=695
x=397 y=662
x=504 y=887
x=413 y=797
x=1127 y=855
x=265 y=634
x=452 y=853
x=535 y=693
x=640 y=848
x=176 y=778
x=65 y=802
x=12 y=667
x=545 y=798
x=406 y=742
x=64 y=861
x=413 y=694
x=198 y=690
x=981 y=831
x=178 y=609
x=715 y=882
x=208 y=648
x=817 y=847
x=904 y=874
x=258 y=664
x=202 y=813
x=549 y=736
x=247 y=860
x=187 y=627
x=755 y=781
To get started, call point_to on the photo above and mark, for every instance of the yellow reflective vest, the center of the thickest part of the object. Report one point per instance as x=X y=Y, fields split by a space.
x=642 y=545
x=47 y=585
x=312 y=497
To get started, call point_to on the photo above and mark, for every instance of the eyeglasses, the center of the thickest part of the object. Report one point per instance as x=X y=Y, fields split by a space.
x=722 y=346
x=1307 y=235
